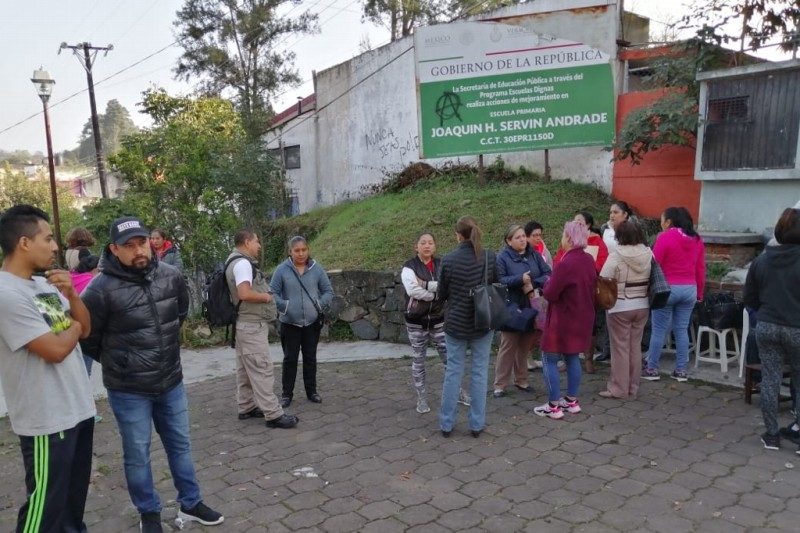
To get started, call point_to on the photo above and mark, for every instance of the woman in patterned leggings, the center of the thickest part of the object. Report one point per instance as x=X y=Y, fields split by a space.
x=424 y=313
x=773 y=289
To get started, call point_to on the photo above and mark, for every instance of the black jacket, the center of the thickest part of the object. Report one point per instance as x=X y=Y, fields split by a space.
x=136 y=321
x=426 y=313
x=773 y=285
x=460 y=274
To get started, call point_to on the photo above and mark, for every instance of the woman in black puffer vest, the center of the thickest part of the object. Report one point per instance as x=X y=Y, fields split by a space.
x=424 y=313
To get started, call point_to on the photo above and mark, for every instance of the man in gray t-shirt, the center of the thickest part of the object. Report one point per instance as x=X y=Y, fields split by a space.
x=43 y=376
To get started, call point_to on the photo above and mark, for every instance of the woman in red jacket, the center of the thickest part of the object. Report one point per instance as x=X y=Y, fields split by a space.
x=570 y=315
x=599 y=251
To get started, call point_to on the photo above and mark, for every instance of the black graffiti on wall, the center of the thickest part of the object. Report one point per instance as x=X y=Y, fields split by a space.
x=385 y=142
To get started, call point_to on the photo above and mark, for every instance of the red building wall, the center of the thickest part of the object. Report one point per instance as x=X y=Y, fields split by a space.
x=664 y=178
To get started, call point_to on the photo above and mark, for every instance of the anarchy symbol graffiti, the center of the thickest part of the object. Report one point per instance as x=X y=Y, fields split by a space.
x=447 y=107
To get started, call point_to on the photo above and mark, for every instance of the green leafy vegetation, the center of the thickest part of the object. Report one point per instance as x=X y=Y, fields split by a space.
x=378 y=233
x=197 y=175
x=717 y=271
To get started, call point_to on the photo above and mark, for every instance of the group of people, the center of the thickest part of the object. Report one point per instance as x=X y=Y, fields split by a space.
x=125 y=310
x=128 y=313
x=439 y=308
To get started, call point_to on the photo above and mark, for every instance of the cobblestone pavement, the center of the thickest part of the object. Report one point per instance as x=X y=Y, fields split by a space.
x=683 y=458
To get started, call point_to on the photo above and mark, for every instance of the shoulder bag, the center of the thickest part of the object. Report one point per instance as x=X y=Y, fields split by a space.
x=320 y=321
x=605 y=293
x=490 y=301
x=658 y=290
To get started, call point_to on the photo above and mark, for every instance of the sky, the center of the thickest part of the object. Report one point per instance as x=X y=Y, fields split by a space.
x=34 y=29
x=144 y=55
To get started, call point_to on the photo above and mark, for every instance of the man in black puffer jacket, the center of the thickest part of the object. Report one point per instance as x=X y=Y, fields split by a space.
x=137 y=306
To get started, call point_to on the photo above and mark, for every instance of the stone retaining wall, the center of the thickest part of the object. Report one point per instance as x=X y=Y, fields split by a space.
x=371 y=303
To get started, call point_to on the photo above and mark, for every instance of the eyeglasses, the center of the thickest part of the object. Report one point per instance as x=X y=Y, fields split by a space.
x=536 y=234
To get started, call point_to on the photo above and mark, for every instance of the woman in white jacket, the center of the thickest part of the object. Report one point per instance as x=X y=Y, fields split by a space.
x=629 y=264
x=424 y=314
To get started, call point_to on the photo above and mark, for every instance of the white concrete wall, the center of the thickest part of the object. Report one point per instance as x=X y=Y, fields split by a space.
x=300 y=131
x=745 y=206
x=366 y=122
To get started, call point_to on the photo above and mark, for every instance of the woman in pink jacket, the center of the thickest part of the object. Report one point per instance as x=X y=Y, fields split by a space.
x=680 y=252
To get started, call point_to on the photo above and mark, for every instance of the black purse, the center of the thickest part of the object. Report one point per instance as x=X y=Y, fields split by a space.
x=720 y=311
x=658 y=290
x=490 y=301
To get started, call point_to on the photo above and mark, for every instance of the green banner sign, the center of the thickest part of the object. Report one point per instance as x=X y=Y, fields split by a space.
x=524 y=92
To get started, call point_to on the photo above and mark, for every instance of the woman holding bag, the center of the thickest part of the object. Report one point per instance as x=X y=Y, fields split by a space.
x=629 y=265
x=522 y=269
x=301 y=290
x=680 y=252
x=462 y=271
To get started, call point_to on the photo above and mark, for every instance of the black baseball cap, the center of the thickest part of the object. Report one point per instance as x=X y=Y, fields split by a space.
x=125 y=228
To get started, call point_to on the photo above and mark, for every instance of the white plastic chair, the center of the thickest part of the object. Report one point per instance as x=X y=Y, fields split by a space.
x=745 y=332
x=721 y=356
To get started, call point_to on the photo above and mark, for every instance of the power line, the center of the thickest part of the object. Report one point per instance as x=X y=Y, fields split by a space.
x=73 y=95
x=347 y=91
x=89 y=57
x=146 y=11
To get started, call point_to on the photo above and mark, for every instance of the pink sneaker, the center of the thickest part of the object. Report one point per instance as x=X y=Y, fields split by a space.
x=549 y=411
x=568 y=406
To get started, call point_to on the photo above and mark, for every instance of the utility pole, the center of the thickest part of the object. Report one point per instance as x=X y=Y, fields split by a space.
x=89 y=54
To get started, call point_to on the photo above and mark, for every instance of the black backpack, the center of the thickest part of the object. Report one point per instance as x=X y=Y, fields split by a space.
x=218 y=308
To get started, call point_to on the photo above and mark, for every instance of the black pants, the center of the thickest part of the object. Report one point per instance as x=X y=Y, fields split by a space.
x=58 y=468
x=293 y=340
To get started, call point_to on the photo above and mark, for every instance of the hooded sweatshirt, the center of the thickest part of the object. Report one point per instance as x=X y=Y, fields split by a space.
x=630 y=266
x=682 y=258
x=773 y=285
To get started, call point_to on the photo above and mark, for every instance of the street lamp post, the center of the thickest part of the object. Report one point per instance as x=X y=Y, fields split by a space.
x=44 y=87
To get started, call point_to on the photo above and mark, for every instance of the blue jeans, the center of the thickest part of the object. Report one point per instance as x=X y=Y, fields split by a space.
x=678 y=310
x=170 y=414
x=553 y=380
x=479 y=379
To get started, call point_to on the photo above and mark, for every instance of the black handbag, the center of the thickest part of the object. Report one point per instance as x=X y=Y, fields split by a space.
x=658 y=290
x=490 y=301
x=720 y=311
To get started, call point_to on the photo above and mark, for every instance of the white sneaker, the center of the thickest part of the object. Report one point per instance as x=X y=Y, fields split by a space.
x=568 y=406
x=463 y=398
x=422 y=406
x=549 y=411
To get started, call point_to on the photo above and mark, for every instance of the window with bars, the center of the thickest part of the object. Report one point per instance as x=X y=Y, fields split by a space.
x=731 y=109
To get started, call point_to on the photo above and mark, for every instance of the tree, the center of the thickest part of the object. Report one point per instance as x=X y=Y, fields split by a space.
x=400 y=17
x=115 y=124
x=234 y=47
x=672 y=119
x=756 y=22
x=16 y=189
x=20 y=157
x=197 y=174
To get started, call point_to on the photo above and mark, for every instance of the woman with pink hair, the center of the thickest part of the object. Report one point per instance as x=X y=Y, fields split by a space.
x=570 y=294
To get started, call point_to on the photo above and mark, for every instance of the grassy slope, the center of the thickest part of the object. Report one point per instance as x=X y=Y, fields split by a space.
x=378 y=233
